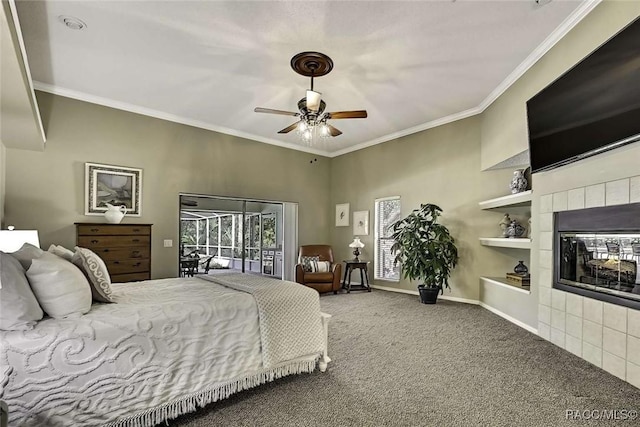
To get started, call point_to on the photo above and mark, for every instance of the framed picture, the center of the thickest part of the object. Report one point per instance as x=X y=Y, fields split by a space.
x=342 y=215
x=361 y=223
x=116 y=185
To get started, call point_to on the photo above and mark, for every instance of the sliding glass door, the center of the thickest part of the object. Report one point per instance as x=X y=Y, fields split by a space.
x=234 y=234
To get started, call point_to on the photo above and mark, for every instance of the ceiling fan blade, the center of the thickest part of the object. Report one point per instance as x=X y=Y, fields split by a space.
x=289 y=128
x=333 y=131
x=272 y=111
x=357 y=114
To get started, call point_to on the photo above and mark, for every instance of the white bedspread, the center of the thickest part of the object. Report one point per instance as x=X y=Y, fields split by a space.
x=289 y=321
x=164 y=347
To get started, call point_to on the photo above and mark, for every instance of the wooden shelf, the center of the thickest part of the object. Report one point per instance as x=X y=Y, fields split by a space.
x=510 y=201
x=504 y=242
x=503 y=282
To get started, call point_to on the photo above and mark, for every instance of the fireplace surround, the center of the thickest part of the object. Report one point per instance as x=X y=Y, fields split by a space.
x=598 y=253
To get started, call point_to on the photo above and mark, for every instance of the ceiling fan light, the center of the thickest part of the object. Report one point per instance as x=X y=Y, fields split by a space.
x=307 y=135
x=302 y=126
x=324 y=130
x=313 y=100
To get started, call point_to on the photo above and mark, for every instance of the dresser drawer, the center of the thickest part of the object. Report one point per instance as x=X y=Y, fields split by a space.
x=134 y=252
x=127 y=266
x=112 y=241
x=108 y=230
x=129 y=277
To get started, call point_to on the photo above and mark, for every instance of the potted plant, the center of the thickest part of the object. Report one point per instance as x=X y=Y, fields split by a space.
x=426 y=251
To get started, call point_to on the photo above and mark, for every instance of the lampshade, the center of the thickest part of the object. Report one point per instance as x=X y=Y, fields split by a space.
x=12 y=240
x=356 y=243
x=313 y=100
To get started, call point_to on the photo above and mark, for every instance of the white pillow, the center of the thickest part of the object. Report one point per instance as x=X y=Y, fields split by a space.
x=61 y=251
x=320 y=266
x=26 y=254
x=19 y=309
x=95 y=271
x=60 y=287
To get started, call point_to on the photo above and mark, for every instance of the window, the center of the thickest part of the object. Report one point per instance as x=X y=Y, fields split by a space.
x=387 y=211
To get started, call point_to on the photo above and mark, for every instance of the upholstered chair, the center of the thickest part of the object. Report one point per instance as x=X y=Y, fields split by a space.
x=320 y=281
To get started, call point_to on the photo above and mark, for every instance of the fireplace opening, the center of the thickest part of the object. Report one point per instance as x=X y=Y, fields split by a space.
x=598 y=253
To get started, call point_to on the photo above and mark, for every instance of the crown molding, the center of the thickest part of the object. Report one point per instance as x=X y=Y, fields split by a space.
x=567 y=25
x=415 y=129
x=80 y=96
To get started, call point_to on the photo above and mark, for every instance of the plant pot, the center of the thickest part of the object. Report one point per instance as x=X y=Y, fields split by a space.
x=428 y=295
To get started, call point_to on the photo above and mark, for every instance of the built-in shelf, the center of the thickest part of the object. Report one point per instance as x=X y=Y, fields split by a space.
x=503 y=282
x=504 y=242
x=510 y=201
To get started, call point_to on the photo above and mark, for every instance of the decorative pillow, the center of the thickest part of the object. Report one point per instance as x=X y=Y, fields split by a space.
x=19 y=309
x=95 y=271
x=320 y=266
x=26 y=254
x=61 y=251
x=306 y=262
x=60 y=287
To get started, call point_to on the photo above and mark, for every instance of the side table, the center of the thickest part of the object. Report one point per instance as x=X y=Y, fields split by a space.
x=353 y=264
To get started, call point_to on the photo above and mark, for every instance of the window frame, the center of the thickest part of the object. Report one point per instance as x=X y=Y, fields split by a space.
x=376 y=238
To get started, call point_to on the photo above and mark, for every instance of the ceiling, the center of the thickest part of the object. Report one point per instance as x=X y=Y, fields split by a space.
x=411 y=65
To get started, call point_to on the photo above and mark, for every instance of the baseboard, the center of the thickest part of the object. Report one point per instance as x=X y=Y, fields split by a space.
x=465 y=301
x=509 y=318
x=410 y=292
x=401 y=291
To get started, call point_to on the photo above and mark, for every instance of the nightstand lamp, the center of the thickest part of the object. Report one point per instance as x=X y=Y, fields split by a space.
x=357 y=245
x=11 y=240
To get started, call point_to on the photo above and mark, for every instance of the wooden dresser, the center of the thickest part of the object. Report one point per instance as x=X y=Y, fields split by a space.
x=125 y=248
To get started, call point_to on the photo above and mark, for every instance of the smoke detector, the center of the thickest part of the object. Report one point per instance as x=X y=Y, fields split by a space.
x=72 y=22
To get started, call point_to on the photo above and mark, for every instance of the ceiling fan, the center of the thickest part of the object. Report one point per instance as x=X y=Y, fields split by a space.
x=311 y=109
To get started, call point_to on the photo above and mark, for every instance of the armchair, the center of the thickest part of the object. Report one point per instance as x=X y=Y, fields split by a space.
x=321 y=281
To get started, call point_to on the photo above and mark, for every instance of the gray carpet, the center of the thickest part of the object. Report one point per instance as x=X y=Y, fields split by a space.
x=397 y=362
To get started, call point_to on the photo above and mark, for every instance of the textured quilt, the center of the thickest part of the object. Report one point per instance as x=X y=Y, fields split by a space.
x=165 y=347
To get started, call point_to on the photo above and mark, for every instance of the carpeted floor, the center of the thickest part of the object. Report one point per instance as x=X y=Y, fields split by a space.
x=397 y=362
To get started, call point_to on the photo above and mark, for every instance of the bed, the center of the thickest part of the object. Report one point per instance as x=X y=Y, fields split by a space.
x=163 y=349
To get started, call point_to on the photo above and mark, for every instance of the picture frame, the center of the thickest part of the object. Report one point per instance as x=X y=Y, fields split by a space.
x=117 y=185
x=361 y=223
x=342 y=215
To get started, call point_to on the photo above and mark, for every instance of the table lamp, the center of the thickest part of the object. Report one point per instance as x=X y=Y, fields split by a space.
x=357 y=245
x=11 y=240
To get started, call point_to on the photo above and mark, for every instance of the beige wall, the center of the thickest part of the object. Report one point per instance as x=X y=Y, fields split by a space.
x=440 y=166
x=45 y=190
x=3 y=168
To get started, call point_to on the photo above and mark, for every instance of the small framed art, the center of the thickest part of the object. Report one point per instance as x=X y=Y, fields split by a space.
x=342 y=215
x=361 y=223
x=116 y=185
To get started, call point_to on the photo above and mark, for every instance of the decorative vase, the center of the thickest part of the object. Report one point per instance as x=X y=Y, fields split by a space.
x=518 y=182
x=521 y=269
x=515 y=230
x=504 y=224
x=114 y=214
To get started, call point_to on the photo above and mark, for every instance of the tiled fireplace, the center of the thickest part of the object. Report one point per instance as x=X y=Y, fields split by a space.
x=599 y=330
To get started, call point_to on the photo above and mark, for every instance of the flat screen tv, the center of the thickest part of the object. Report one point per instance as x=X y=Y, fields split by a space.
x=593 y=107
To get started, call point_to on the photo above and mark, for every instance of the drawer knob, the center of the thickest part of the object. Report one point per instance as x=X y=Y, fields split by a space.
x=136 y=229
x=116 y=262
x=135 y=254
x=95 y=230
x=137 y=264
x=135 y=240
x=94 y=241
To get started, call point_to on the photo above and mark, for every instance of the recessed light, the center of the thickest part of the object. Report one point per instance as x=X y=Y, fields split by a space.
x=72 y=22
